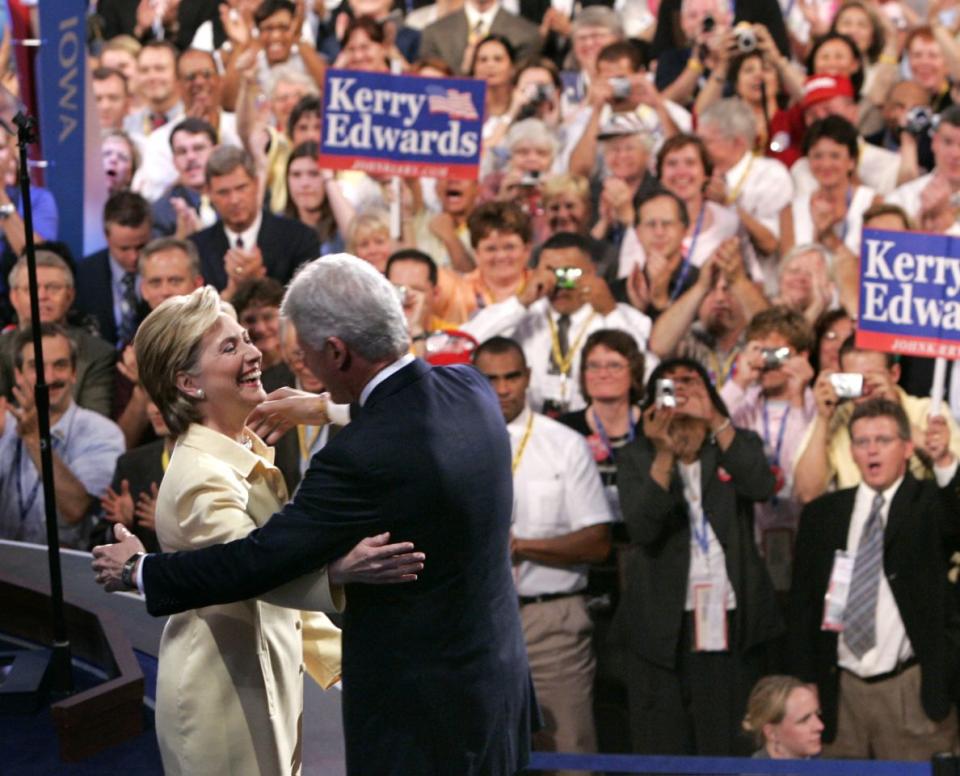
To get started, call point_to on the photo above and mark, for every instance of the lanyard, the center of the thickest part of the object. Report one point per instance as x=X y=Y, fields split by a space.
x=734 y=194
x=845 y=222
x=775 y=457
x=307 y=442
x=602 y=432
x=164 y=458
x=514 y=465
x=703 y=534
x=696 y=233
x=24 y=508
x=723 y=371
x=564 y=363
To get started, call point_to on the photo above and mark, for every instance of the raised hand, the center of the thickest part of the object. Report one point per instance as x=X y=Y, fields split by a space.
x=118 y=507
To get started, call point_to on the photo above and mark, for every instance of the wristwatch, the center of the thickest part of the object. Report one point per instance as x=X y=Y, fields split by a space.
x=129 y=568
x=7 y=210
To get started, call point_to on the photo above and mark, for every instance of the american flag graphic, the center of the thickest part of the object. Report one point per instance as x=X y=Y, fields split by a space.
x=450 y=101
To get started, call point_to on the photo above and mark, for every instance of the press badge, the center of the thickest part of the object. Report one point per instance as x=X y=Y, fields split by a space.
x=709 y=617
x=835 y=601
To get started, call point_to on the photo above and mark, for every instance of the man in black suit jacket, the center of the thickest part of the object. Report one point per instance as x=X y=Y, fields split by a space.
x=450 y=36
x=892 y=695
x=247 y=242
x=102 y=277
x=435 y=676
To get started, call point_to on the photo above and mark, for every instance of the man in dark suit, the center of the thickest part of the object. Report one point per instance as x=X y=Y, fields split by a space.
x=108 y=286
x=451 y=36
x=435 y=676
x=247 y=242
x=885 y=656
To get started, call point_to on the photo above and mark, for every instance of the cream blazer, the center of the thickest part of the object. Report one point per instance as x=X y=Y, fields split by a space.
x=230 y=679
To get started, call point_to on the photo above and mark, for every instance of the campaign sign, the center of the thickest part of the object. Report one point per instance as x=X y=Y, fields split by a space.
x=402 y=125
x=910 y=294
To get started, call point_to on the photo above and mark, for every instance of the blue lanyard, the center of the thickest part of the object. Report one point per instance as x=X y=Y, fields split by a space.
x=602 y=432
x=688 y=259
x=703 y=535
x=775 y=458
x=32 y=497
x=846 y=225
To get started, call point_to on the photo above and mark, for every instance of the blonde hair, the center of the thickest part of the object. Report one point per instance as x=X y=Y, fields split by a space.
x=566 y=183
x=370 y=222
x=167 y=344
x=767 y=703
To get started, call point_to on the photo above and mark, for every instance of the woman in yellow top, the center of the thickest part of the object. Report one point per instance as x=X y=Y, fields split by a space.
x=230 y=681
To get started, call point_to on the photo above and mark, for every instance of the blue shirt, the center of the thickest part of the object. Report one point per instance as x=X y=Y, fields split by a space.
x=87 y=443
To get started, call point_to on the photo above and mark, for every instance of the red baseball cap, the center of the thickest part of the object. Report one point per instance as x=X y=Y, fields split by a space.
x=817 y=88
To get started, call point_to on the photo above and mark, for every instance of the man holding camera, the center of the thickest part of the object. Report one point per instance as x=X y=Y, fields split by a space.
x=769 y=394
x=825 y=456
x=561 y=304
x=561 y=522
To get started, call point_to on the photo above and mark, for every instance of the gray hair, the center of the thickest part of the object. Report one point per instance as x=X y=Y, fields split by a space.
x=534 y=132
x=44 y=259
x=345 y=297
x=291 y=75
x=800 y=250
x=224 y=159
x=161 y=244
x=733 y=117
x=598 y=16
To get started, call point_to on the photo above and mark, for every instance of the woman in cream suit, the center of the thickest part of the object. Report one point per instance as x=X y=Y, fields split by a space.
x=230 y=683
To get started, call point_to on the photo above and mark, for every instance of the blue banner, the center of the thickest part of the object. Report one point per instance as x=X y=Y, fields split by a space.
x=61 y=80
x=910 y=293
x=402 y=125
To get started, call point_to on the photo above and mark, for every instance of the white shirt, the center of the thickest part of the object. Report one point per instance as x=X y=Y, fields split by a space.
x=762 y=187
x=530 y=327
x=877 y=168
x=893 y=646
x=157 y=172
x=907 y=196
x=556 y=491
x=474 y=16
x=249 y=234
x=383 y=374
x=712 y=565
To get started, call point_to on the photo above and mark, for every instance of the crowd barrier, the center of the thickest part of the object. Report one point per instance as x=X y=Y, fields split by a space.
x=730 y=766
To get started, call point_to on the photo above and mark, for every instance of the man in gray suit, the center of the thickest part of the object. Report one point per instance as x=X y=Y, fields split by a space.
x=454 y=37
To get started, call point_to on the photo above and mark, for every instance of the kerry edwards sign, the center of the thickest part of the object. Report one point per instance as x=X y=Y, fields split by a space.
x=910 y=294
x=402 y=125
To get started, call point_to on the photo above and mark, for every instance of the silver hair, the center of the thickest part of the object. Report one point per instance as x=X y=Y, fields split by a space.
x=598 y=16
x=534 y=132
x=44 y=259
x=345 y=297
x=733 y=117
x=291 y=75
x=800 y=250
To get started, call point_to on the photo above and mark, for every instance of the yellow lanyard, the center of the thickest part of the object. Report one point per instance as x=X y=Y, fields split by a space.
x=523 y=445
x=723 y=369
x=565 y=362
x=306 y=443
x=735 y=191
x=164 y=458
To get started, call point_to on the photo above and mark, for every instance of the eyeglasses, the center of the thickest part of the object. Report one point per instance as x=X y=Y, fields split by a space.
x=206 y=75
x=663 y=223
x=48 y=288
x=608 y=366
x=862 y=443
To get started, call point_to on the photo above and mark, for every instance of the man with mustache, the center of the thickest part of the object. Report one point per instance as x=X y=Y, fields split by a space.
x=85 y=445
x=185 y=207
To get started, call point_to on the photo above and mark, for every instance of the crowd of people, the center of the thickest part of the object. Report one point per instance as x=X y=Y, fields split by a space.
x=716 y=489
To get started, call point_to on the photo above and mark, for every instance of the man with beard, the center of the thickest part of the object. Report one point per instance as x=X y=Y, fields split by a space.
x=185 y=207
x=199 y=84
x=706 y=323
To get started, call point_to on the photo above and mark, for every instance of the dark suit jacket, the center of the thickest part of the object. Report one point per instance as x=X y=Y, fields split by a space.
x=765 y=12
x=446 y=38
x=119 y=17
x=918 y=524
x=96 y=370
x=651 y=610
x=284 y=243
x=94 y=286
x=435 y=677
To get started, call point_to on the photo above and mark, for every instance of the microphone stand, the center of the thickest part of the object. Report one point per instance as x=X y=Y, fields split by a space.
x=61 y=674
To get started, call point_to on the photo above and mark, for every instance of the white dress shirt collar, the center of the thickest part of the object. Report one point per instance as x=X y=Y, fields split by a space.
x=739 y=170
x=865 y=495
x=249 y=234
x=474 y=16
x=383 y=374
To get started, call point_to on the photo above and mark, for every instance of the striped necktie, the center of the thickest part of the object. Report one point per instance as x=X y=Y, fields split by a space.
x=860 y=616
